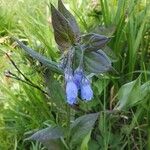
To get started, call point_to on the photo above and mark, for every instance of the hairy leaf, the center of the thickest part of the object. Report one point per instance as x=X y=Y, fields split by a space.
x=49 y=137
x=69 y=17
x=94 y=42
x=63 y=31
x=108 y=31
x=97 y=62
x=82 y=126
x=45 y=61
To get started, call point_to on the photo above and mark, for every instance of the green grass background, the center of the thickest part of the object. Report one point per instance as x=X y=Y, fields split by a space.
x=25 y=109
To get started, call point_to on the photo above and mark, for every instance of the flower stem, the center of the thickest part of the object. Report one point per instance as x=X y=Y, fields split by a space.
x=68 y=124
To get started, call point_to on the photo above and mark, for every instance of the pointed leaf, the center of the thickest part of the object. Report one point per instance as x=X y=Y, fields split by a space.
x=47 y=134
x=82 y=126
x=45 y=61
x=129 y=94
x=69 y=17
x=94 y=42
x=63 y=31
x=108 y=31
x=49 y=137
x=97 y=62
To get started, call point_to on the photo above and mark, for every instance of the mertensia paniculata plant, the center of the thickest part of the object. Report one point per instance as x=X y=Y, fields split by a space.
x=82 y=55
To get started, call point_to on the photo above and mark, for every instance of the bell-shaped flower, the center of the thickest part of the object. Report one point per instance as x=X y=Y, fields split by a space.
x=71 y=89
x=86 y=90
x=78 y=75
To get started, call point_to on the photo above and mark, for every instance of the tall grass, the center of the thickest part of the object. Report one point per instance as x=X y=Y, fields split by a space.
x=25 y=109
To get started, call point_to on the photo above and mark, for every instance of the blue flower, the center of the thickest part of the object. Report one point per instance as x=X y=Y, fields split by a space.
x=86 y=90
x=71 y=92
x=71 y=88
x=78 y=75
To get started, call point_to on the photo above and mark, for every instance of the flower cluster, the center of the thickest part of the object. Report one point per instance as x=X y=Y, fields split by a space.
x=76 y=83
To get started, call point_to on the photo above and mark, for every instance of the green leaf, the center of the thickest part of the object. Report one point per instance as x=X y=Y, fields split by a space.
x=145 y=88
x=45 y=61
x=63 y=31
x=81 y=127
x=94 y=145
x=108 y=31
x=100 y=85
x=84 y=145
x=129 y=94
x=97 y=62
x=94 y=42
x=55 y=89
x=108 y=51
x=49 y=137
x=94 y=62
x=69 y=17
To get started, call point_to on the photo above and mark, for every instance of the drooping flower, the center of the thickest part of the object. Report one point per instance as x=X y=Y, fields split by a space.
x=71 y=89
x=78 y=75
x=71 y=92
x=86 y=90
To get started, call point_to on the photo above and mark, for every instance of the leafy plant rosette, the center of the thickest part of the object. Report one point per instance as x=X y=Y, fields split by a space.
x=82 y=55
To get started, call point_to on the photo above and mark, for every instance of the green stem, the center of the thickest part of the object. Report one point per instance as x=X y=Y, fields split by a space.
x=68 y=125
